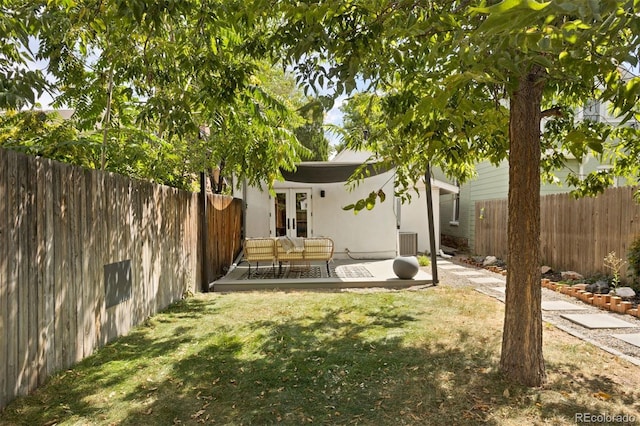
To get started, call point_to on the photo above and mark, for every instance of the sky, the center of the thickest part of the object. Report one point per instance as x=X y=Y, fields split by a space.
x=334 y=116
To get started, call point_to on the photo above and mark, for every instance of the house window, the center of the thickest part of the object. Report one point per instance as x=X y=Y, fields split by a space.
x=455 y=220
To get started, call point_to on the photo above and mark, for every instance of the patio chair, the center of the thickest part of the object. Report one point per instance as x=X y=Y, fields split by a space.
x=259 y=250
x=289 y=250
x=320 y=248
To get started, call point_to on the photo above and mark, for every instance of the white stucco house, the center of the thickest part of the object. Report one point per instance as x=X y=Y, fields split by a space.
x=310 y=204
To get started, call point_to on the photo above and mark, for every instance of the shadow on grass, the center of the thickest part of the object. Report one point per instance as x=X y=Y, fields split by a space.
x=325 y=368
x=596 y=385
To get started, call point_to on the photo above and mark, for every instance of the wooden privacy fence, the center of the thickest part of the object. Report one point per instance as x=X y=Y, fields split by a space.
x=86 y=255
x=576 y=234
x=224 y=229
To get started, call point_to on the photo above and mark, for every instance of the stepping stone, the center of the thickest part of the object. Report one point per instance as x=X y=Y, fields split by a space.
x=451 y=266
x=486 y=292
x=560 y=305
x=486 y=280
x=468 y=273
x=597 y=321
x=633 y=339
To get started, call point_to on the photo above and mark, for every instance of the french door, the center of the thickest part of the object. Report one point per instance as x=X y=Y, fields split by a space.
x=291 y=213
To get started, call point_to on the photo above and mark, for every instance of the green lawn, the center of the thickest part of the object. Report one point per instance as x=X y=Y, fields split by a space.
x=402 y=357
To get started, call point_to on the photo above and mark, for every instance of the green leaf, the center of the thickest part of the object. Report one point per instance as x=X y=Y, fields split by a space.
x=508 y=5
x=370 y=204
x=595 y=144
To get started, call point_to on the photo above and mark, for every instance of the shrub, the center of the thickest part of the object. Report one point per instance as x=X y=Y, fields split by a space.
x=423 y=260
x=633 y=256
x=614 y=264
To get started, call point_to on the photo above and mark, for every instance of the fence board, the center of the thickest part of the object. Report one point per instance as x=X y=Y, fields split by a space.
x=4 y=277
x=135 y=260
x=147 y=260
x=57 y=268
x=88 y=266
x=122 y=250
x=66 y=284
x=78 y=253
x=576 y=234
x=110 y=319
x=46 y=272
x=31 y=287
x=23 y=275
x=13 y=268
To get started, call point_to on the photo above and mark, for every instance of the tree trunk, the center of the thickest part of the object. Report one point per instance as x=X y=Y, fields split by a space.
x=521 y=359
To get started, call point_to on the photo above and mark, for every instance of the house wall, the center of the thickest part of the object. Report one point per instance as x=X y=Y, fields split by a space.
x=492 y=182
x=368 y=234
x=257 y=205
x=459 y=230
x=414 y=218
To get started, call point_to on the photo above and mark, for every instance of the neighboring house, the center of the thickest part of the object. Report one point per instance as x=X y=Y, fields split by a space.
x=457 y=211
x=310 y=204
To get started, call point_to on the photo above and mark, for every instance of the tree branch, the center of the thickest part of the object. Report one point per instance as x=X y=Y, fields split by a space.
x=555 y=112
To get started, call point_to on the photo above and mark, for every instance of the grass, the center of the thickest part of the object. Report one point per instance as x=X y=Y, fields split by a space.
x=402 y=357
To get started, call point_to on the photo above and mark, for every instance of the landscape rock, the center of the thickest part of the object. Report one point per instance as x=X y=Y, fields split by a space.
x=625 y=292
x=448 y=250
x=545 y=269
x=490 y=261
x=478 y=259
x=571 y=275
x=599 y=287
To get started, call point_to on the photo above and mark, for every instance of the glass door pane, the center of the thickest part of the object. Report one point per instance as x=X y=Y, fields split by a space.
x=280 y=204
x=301 y=214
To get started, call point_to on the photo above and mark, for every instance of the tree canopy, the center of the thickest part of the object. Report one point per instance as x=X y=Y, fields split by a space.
x=180 y=86
x=463 y=81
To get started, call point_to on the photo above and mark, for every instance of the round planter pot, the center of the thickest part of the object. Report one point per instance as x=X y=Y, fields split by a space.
x=406 y=267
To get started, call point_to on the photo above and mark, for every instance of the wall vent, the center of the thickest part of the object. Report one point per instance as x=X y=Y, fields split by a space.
x=408 y=243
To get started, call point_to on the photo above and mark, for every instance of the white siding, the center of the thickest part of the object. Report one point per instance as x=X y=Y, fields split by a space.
x=414 y=218
x=369 y=234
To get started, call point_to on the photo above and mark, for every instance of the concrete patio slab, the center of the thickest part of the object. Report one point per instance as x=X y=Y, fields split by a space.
x=560 y=305
x=598 y=321
x=486 y=280
x=469 y=273
x=380 y=275
x=499 y=289
x=633 y=339
x=443 y=262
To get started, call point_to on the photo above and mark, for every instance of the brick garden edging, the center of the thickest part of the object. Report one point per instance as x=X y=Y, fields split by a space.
x=602 y=301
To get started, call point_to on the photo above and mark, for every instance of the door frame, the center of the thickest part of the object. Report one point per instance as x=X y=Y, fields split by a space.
x=290 y=211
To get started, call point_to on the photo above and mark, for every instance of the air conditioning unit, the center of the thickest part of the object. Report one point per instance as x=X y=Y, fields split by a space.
x=408 y=243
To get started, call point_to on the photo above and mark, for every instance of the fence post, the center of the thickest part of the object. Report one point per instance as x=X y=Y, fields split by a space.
x=204 y=231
